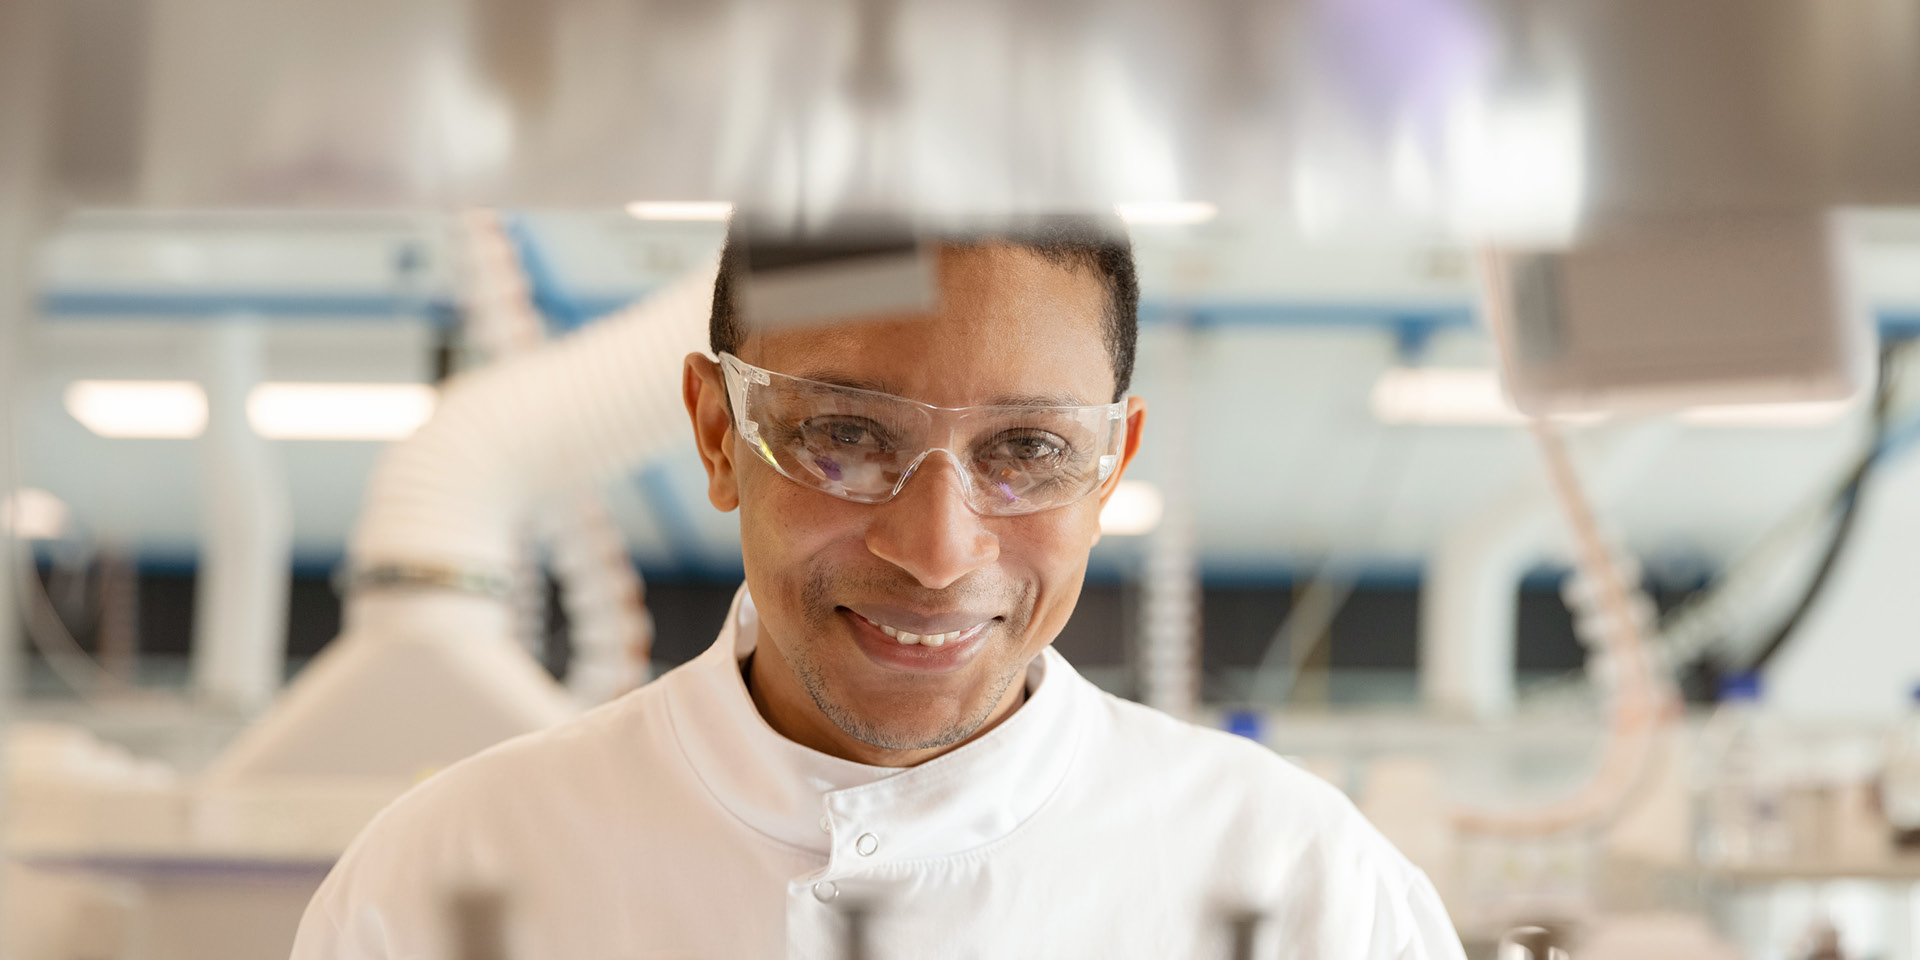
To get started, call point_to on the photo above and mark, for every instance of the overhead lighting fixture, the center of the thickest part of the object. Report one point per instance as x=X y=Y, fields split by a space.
x=339 y=411
x=1167 y=213
x=1454 y=396
x=707 y=211
x=33 y=514
x=1134 y=509
x=1519 y=164
x=1763 y=415
x=150 y=409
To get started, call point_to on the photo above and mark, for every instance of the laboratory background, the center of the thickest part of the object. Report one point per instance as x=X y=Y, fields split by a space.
x=1533 y=401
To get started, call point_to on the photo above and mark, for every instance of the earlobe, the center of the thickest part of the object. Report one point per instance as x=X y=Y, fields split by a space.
x=703 y=390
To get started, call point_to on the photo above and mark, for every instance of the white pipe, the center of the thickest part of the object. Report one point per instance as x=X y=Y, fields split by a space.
x=423 y=675
x=25 y=67
x=1467 y=607
x=1471 y=586
x=608 y=624
x=1170 y=591
x=246 y=548
x=1642 y=706
x=581 y=410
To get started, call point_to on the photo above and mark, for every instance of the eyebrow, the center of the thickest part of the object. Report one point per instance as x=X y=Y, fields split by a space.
x=1006 y=400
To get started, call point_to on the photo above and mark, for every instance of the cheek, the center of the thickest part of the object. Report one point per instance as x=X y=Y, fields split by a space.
x=783 y=525
x=1052 y=548
x=1055 y=539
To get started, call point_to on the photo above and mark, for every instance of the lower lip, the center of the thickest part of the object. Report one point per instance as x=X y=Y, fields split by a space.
x=915 y=657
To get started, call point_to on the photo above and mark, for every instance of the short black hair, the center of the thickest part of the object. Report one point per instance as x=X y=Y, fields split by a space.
x=1074 y=242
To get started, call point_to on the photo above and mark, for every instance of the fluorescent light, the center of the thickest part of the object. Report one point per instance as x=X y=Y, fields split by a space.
x=1134 y=509
x=339 y=411
x=1808 y=414
x=700 y=210
x=1463 y=396
x=165 y=409
x=1166 y=213
x=33 y=514
x=1519 y=164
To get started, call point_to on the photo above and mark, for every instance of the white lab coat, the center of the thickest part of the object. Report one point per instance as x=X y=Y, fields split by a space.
x=674 y=822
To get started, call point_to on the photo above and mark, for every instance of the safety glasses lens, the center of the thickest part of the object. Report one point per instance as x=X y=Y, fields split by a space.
x=860 y=445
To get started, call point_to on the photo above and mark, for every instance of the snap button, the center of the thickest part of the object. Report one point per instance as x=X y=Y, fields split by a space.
x=825 y=891
x=867 y=844
x=826 y=825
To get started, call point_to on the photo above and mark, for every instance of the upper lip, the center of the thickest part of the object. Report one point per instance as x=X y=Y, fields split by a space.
x=919 y=621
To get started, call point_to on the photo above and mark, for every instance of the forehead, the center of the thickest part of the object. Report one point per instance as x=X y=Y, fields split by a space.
x=1009 y=325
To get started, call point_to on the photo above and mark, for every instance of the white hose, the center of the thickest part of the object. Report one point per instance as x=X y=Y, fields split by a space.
x=608 y=623
x=1643 y=706
x=426 y=670
x=576 y=411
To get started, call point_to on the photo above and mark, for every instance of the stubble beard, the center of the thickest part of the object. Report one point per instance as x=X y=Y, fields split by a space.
x=821 y=619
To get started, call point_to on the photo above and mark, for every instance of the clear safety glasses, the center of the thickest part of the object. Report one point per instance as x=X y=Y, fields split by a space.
x=863 y=446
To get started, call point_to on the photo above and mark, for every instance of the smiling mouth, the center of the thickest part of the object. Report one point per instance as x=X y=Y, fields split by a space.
x=907 y=638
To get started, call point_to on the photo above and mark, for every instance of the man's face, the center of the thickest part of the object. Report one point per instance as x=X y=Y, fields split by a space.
x=828 y=575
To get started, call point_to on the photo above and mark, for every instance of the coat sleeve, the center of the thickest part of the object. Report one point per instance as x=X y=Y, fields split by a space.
x=334 y=929
x=1427 y=932
x=323 y=937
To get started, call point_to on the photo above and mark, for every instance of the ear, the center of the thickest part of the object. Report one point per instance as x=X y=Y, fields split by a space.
x=1136 y=424
x=703 y=386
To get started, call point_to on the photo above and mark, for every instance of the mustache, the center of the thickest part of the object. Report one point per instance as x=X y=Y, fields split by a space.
x=825 y=586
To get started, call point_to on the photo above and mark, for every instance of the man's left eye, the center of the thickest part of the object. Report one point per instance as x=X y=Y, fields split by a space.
x=1027 y=447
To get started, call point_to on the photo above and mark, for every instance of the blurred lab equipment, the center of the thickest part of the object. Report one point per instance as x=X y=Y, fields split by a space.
x=479 y=924
x=1533 y=943
x=1742 y=793
x=1332 y=117
x=428 y=668
x=1899 y=787
x=1684 y=310
x=434 y=549
x=1822 y=942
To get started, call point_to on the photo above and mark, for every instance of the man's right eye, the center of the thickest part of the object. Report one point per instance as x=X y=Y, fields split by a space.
x=846 y=433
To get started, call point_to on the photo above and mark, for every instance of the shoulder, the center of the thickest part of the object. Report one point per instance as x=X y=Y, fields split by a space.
x=593 y=758
x=460 y=819
x=1273 y=832
x=1188 y=756
x=1261 y=802
x=492 y=816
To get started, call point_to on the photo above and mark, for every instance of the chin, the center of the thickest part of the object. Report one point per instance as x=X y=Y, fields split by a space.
x=898 y=733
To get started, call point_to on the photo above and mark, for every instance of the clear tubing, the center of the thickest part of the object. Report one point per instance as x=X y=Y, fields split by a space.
x=1641 y=707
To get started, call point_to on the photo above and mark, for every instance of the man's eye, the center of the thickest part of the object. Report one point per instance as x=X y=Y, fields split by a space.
x=1028 y=447
x=846 y=433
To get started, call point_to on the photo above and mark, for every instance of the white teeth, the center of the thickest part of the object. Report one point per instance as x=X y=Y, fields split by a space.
x=931 y=640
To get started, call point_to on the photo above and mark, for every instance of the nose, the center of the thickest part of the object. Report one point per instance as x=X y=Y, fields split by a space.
x=928 y=529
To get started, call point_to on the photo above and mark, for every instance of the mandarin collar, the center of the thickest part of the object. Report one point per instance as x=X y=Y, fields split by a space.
x=962 y=799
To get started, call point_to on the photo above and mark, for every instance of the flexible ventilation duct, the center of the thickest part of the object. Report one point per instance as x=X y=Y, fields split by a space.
x=426 y=670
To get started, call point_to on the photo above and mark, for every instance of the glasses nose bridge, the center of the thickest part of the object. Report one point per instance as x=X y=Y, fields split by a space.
x=959 y=468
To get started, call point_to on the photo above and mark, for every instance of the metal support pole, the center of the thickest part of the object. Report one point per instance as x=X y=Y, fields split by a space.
x=246 y=551
x=23 y=72
x=1468 y=601
x=1170 y=595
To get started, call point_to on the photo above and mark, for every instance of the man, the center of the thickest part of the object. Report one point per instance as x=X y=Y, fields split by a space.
x=881 y=746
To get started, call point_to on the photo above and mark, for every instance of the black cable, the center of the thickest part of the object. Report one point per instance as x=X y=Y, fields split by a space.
x=1847 y=501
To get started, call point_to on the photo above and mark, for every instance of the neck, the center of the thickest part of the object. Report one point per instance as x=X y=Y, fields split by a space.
x=788 y=708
